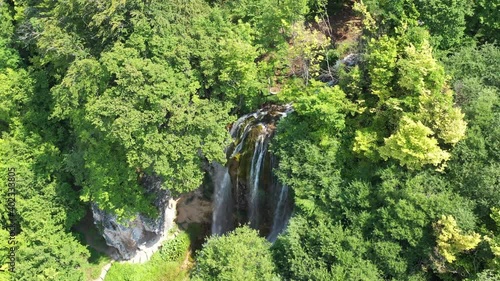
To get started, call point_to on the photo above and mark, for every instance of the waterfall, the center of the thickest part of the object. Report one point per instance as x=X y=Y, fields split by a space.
x=237 y=125
x=281 y=216
x=246 y=189
x=255 y=169
x=221 y=221
x=238 y=148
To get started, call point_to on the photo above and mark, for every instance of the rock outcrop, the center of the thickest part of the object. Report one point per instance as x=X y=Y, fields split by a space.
x=246 y=189
x=141 y=232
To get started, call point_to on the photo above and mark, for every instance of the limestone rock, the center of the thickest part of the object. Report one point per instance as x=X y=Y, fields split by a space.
x=141 y=232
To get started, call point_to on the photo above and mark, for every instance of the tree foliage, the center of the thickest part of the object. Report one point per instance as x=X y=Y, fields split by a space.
x=412 y=146
x=322 y=251
x=451 y=241
x=445 y=19
x=393 y=164
x=409 y=109
x=239 y=255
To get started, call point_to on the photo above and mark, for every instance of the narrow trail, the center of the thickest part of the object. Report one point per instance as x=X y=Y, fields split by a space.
x=104 y=271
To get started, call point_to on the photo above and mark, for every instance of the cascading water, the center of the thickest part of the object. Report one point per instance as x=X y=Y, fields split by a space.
x=246 y=190
x=255 y=169
x=281 y=214
x=221 y=222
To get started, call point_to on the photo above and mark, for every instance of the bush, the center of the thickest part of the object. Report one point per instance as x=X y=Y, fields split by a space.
x=174 y=249
x=239 y=255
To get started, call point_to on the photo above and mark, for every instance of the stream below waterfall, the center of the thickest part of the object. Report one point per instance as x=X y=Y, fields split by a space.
x=246 y=191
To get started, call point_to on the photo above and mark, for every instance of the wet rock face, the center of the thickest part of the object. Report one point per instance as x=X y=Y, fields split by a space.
x=141 y=232
x=351 y=60
x=246 y=189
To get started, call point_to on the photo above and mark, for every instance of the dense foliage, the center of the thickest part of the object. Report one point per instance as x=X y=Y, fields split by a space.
x=239 y=255
x=410 y=186
x=394 y=162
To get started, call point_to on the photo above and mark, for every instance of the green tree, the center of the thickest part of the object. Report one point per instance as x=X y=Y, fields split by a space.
x=450 y=241
x=271 y=19
x=412 y=146
x=483 y=23
x=137 y=108
x=225 y=55
x=381 y=60
x=307 y=50
x=5 y=275
x=150 y=121
x=445 y=19
x=15 y=83
x=477 y=84
x=322 y=250
x=413 y=111
x=46 y=208
x=307 y=142
x=238 y=255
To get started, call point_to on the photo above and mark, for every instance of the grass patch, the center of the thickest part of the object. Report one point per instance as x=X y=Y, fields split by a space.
x=96 y=262
x=175 y=249
x=197 y=234
x=168 y=264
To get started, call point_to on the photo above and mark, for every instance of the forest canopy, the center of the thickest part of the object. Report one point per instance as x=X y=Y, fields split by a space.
x=392 y=151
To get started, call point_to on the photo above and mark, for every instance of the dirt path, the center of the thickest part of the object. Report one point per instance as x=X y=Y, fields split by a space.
x=145 y=253
x=104 y=271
